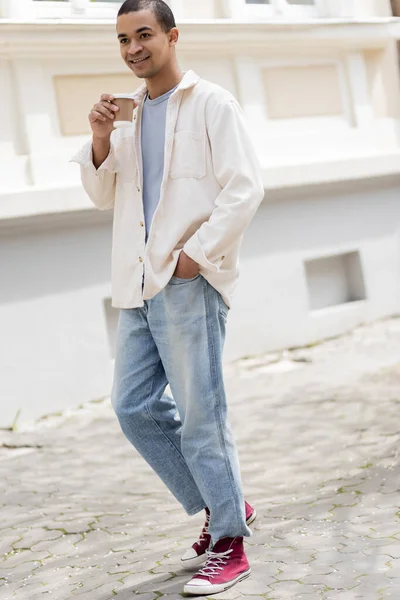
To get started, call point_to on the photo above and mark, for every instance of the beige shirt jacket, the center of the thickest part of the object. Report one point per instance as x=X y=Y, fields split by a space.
x=211 y=189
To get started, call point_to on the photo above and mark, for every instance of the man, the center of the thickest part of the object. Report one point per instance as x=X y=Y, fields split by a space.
x=184 y=183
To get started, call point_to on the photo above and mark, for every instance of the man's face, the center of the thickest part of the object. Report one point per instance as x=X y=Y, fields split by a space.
x=144 y=46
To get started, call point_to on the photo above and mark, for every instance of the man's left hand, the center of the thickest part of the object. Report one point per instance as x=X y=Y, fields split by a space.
x=186 y=268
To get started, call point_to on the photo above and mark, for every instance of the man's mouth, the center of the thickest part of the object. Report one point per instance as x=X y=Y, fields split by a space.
x=136 y=61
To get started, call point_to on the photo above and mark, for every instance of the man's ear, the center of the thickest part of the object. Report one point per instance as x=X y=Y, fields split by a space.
x=173 y=36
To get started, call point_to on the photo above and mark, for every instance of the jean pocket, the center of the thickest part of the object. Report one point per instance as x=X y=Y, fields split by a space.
x=181 y=280
x=223 y=307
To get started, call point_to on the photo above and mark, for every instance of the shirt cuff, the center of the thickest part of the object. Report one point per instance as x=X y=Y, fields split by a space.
x=195 y=251
x=84 y=157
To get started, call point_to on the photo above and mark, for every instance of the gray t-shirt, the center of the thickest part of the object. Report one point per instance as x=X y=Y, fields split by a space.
x=153 y=141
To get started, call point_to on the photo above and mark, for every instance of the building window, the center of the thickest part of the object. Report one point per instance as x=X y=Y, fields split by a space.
x=64 y=9
x=335 y=280
x=305 y=8
x=290 y=9
x=243 y=9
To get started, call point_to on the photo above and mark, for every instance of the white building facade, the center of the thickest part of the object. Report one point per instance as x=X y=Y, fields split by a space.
x=319 y=83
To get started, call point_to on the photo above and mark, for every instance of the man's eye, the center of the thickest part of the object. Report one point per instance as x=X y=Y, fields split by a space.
x=124 y=40
x=145 y=34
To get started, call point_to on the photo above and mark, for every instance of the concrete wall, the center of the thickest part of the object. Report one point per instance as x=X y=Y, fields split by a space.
x=273 y=307
x=55 y=351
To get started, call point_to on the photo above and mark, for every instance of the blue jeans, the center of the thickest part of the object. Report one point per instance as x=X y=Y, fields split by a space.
x=177 y=337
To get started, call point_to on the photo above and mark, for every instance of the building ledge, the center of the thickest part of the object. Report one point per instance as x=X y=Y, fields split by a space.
x=332 y=171
x=33 y=202
x=65 y=35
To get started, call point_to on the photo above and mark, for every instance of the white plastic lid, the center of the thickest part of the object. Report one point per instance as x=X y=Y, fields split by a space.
x=118 y=124
x=128 y=96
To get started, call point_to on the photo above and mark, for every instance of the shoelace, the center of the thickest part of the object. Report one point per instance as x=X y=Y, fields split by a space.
x=215 y=562
x=204 y=532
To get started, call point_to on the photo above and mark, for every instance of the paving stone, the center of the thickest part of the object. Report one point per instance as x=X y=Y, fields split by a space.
x=288 y=589
x=371 y=589
x=64 y=544
x=256 y=585
x=244 y=595
x=127 y=594
x=165 y=583
x=294 y=571
x=390 y=550
x=21 y=560
x=343 y=595
x=31 y=538
x=394 y=569
x=231 y=594
x=34 y=589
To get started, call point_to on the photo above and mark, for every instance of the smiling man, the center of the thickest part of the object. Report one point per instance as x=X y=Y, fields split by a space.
x=184 y=183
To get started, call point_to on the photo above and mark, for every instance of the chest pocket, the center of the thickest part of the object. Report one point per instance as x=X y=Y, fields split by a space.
x=188 y=155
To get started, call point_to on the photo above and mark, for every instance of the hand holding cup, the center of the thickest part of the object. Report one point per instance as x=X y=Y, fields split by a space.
x=112 y=111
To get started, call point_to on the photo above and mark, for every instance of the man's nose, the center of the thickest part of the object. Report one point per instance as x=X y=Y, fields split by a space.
x=135 y=48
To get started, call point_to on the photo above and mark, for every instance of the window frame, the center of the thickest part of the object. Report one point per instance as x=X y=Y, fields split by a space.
x=49 y=9
x=305 y=11
x=240 y=9
x=278 y=9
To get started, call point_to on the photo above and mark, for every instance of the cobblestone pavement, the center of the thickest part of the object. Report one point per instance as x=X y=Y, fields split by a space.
x=318 y=433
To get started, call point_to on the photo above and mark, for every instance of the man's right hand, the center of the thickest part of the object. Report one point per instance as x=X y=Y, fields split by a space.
x=101 y=117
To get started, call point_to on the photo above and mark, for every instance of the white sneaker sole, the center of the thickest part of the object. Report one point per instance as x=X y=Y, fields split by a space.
x=193 y=563
x=206 y=589
x=252 y=517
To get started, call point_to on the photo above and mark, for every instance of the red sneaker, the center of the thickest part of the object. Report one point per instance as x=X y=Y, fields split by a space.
x=226 y=565
x=196 y=555
x=251 y=513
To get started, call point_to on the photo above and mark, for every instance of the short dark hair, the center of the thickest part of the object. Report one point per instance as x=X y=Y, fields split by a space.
x=162 y=11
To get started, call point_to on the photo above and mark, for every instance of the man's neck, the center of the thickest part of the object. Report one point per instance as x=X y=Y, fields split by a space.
x=163 y=83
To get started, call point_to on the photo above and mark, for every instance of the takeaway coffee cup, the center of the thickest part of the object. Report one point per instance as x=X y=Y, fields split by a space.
x=123 y=117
